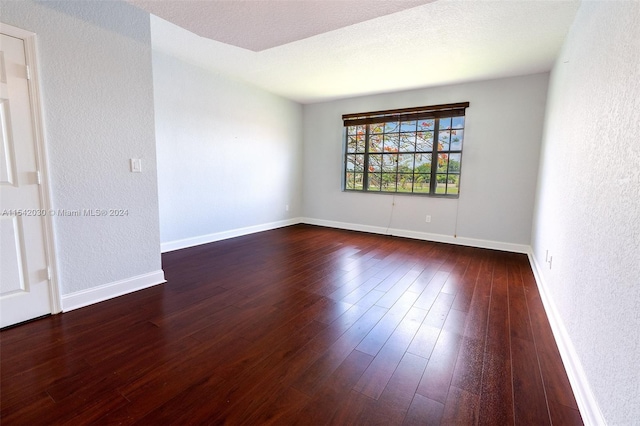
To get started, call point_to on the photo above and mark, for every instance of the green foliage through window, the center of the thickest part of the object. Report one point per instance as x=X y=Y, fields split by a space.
x=413 y=151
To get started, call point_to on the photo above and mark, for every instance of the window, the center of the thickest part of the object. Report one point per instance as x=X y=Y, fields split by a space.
x=394 y=152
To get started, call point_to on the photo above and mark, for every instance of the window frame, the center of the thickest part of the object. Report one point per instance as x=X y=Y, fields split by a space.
x=433 y=112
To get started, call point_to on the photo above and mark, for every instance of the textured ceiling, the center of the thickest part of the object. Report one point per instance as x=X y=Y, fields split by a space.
x=262 y=24
x=436 y=43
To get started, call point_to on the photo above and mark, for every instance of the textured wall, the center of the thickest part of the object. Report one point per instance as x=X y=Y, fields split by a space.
x=588 y=201
x=229 y=155
x=499 y=163
x=97 y=87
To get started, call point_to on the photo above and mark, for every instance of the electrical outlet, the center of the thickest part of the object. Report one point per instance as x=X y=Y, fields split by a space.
x=428 y=218
x=286 y=208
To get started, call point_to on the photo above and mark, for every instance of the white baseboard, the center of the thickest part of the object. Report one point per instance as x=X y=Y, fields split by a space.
x=223 y=235
x=440 y=238
x=587 y=404
x=93 y=295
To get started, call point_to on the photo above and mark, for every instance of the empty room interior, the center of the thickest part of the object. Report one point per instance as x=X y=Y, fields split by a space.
x=320 y=212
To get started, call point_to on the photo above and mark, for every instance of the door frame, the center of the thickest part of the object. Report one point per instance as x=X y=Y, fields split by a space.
x=31 y=54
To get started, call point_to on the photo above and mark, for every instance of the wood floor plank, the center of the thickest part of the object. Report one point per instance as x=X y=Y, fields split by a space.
x=439 y=310
x=519 y=323
x=330 y=360
x=556 y=382
x=455 y=322
x=496 y=393
x=188 y=406
x=563 y=415
x=424 y=341
x=394 y=402
x=351 y=408
x=272 y=408
x=152 y=391
x=300 y=325
x=375 y=378
x=436 y=379
x=461 y=408
x=297 y=335
x=377 y=337
x=424 y=411
x=467 y=374
x=529 y=399
x=392 y=273
x=420 y=283
x=467 y=287
x=478 y=311
x=361 y=291
x=393 y=294
x=322 y=406
x=432 y=291
x=327 y=337
x=16 y=389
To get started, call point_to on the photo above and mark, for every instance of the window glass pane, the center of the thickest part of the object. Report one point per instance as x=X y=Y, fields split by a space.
x=421 y=183
x=445 y=123
x=358 y=177
x=441 y=180
x=351 y=130
x=456 y=140
x=376 y=128
x=405 y=182
x=424 y=141
x=426 y=125
x=374 y=182
x=375 y=162
x=389 y=162
x=405 y=163
x=391 y=142
x=360 y=130
x=408 y=126
x=349 y=182
x=391 y=127
x=443 y=140
x=351 y=144
x=458 y=122
x=454 y=163
x=375 y=143
x=359 y=163
x=452 y=184
x=389 y=182
x=407 y=142
x=351 y=161
x=360 y=145
x=423 y=163
x=443 y=162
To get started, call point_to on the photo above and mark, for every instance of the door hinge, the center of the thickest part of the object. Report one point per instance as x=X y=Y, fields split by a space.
x=39 y=177
x=28 y=72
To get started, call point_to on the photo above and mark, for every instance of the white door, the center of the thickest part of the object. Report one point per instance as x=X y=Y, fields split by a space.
x=24 y=284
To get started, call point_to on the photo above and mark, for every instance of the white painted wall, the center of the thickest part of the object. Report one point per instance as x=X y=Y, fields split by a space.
x=229 y=154
x=97 y=88
x=499 y=164
x=587 y=212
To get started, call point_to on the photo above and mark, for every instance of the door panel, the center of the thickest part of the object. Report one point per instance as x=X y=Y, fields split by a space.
x=7 y=159
x=11 y=248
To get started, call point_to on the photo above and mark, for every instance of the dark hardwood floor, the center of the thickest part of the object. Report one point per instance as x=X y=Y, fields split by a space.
x=300 y=325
